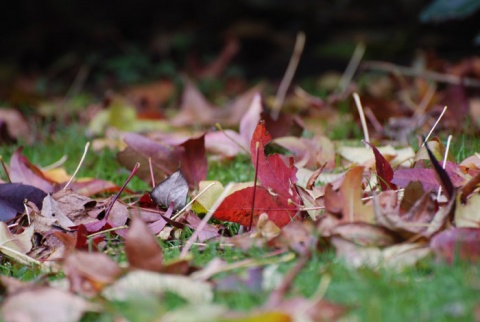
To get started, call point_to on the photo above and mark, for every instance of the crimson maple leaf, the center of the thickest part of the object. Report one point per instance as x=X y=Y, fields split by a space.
x=277 y=196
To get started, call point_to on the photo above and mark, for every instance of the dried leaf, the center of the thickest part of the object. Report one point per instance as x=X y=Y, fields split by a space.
x=89 y=273
x=173 y=189
x=347 y=201
x=14 y=245
x=45 y=304
x=141 y=247
x=138 y=284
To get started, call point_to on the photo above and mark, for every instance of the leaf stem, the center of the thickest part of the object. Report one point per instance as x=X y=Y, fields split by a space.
x=134 y=170
x=257 y=146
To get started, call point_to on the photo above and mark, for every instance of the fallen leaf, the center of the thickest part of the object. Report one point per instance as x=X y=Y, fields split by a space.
x=23 y=171
x=13 y=196
x=174 y=189
x=52 y=210
x=347 y=201
x=141 y=247
x=45 y=304
x=309 y=152
x=16 y=245
x=166 y=159
x=89 y=273
x=384 y=169
x=138 y=284
x=206 y=200
x=237 y=207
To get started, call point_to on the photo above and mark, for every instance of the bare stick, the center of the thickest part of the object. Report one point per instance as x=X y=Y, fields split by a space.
x=426 y=99
x=178 y=214
x=444 y=163
x=351 y=67
x=110 y=206
x=79 y=165
x=5 y=169
x=151 y=172
x=26 y=211
x=290 y=72
x=425 y=74
x=362 y=118
x=205 y=219
x=98 y=233
x=27 y=258
x=254 y=186
x=279 y=293
x=434 y=126
x=55 y=164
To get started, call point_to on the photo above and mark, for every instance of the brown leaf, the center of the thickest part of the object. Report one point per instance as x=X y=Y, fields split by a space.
x=89 y=273
x=347 y=201
x=141 y=247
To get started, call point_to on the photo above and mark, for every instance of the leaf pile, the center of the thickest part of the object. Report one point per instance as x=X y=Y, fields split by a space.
x=375 y=204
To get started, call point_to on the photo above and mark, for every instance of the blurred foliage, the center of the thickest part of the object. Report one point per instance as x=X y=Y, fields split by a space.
x=442 y=10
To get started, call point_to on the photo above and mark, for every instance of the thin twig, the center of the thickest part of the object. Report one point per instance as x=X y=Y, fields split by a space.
x=77 y=83
x=434 y=126
x=55 y=164
x=279 y=294
x=21 y=255
x=425 y=74
x=290 y=72
x=79 y=165
x=426 y=99
x=178 y=214
x=27 y=212
x=219 y=127
x=362 y=118
x=151 y=172
x=254 y=186
x=107 y=231
x=205 y=219
x=351 y=68
x=110 y=206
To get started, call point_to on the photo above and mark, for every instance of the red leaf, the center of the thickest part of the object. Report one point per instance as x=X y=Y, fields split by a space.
x=273 y=197
x=237 y=207
x=193 y=160
x=273 y=173
x=384 y=169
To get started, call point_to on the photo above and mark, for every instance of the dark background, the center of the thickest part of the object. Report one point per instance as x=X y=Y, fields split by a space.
x=60 y=35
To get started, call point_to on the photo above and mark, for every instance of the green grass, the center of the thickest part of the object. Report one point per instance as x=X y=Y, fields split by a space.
x=430 y=292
